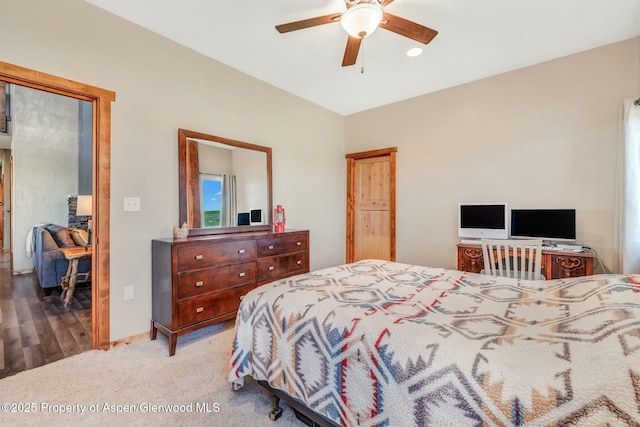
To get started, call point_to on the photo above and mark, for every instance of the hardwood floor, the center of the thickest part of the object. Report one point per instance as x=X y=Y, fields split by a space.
x=36 y=329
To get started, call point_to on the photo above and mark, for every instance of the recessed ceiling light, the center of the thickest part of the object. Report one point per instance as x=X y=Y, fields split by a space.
x=414 y=51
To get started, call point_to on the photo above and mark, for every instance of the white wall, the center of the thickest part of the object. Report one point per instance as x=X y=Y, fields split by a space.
x=540 y=137
x=161 y=87
x=251 y=172
x=214 y=160
x=45 y=143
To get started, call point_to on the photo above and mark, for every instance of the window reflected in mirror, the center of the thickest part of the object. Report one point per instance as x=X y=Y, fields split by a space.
x=210 y=188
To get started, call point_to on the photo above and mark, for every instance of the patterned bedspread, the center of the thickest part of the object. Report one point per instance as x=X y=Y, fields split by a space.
x=390 y=344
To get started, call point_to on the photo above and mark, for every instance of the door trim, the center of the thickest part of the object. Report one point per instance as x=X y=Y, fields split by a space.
x=101 y=185
x=351 y=164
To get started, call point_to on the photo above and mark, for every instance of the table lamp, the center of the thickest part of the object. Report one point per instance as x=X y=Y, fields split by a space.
x=84 y=207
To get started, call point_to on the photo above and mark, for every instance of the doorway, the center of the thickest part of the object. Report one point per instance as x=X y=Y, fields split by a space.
x=371 y=205
x=101 y=131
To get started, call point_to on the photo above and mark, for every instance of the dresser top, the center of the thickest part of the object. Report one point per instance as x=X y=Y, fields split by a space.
x=230 y=236
x=582 y=254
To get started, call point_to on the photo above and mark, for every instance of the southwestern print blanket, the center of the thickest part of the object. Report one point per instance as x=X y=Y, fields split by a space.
x=378 y=343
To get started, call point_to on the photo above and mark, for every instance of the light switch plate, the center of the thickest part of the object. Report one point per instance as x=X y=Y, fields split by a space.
x=132 y=204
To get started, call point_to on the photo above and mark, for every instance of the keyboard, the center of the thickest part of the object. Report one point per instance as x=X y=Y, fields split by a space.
x=471 y=241
x=563 y=248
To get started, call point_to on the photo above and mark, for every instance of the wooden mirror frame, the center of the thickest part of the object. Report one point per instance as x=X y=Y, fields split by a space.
x=101 y=100
x=189 y=183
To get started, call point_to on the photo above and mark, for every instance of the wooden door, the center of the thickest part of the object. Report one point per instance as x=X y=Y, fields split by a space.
x=371 y=200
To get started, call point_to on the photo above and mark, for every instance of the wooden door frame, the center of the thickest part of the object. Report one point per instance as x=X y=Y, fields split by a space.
x=351 y=164
x=2 y=181
x=101 y=100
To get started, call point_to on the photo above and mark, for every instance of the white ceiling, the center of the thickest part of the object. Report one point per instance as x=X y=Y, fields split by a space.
x=477 y=39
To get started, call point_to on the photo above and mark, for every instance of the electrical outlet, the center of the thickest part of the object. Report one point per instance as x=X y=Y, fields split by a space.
x=132 y=204
x=128 y=292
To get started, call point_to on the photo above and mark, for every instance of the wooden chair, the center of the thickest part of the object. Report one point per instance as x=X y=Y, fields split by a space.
x=521 y=259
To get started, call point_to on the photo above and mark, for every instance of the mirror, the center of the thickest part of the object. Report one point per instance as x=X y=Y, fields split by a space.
x=225 y=185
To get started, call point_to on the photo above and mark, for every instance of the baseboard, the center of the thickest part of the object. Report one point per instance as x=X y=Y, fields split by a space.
x=20 y=272
x=129 y=340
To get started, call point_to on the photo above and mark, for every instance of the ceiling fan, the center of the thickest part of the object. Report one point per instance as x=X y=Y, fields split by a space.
x=361 y=19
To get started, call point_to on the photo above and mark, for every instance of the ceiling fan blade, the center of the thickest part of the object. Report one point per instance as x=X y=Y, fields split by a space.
x=407 y=28
x=386 y=2
x=351 y=52
x=306 y=23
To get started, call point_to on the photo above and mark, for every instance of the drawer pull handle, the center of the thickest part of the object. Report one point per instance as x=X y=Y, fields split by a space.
x=200 y=283
x=199 y=309
x=198 y=257
x=241 y=251
x=299 y=243
x=298 y=262
x=242 y=274
x=270 y=247
x=271 y=268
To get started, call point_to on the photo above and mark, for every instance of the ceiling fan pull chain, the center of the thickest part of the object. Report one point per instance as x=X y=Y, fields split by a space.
x=362 y=58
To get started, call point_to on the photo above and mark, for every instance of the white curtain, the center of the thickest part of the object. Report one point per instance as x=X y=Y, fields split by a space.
x=628 y=192
x=228 y=208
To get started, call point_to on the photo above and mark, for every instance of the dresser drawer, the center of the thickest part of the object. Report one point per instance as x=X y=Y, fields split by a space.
x=203 y=256
x=199 y=282
x=282 y=266
x=194 y=310
x=282 y=243
x=563 y=266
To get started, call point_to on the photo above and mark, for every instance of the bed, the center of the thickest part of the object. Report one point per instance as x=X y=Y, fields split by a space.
x=391 y=344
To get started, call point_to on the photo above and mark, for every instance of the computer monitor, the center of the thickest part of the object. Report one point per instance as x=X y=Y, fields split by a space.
x=483 y=220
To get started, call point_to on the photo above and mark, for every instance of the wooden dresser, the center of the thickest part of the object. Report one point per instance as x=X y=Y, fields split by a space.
x=200 y=281
x=555 y=264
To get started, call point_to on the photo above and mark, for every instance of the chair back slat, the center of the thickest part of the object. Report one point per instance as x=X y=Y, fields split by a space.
x=513 y=258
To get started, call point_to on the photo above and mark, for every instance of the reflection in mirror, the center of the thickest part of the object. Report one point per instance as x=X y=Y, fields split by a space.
x=225 y=185
x=233 y=182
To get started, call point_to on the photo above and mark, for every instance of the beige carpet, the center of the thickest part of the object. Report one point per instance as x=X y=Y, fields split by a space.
x=193 y=384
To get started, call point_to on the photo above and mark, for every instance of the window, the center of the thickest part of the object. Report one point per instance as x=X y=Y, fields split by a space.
x=628 y=197
x=211 y=191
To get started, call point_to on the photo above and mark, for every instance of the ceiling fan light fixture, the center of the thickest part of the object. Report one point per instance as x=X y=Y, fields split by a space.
x=361 y=20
